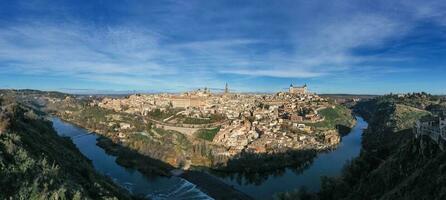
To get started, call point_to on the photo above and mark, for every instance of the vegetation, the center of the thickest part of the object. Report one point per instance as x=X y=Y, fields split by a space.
x=193 y=120
x=253 y=168
x=207 y=134
x=128 y=157
x=340 y=115
x=35 y=163
x=211 y=119
x=161 y=115
x=392 y=164
x=170 y=147
x=339 y=118
x=406 y=116
x=97 y=118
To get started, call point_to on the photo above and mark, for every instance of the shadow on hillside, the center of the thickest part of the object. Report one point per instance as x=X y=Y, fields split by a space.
x=245 y=168
x=151 y=167
x=132 y=159
x=343 y=130
x=253 y=168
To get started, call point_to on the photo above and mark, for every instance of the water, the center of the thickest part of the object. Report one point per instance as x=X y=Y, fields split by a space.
x=130 y=179
x=259 y=186
x=265 y=186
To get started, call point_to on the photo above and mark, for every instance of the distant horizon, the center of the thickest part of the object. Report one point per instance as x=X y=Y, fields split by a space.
x=130 y=92
x=336 y=47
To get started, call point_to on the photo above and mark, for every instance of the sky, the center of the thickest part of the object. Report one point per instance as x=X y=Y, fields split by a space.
x=97 y=46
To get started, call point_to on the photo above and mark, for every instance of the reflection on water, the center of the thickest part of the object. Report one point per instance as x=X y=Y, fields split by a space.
x=130 y=179
x=258 y=185
x=258 y=178
x=265 y=185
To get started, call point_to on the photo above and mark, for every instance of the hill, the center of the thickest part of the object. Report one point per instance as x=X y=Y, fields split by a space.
x=393 y=164
x=35 y=163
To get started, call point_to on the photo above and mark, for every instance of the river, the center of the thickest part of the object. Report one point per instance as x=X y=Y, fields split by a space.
x=136 y=183
x=265 y=186
x=258 y=186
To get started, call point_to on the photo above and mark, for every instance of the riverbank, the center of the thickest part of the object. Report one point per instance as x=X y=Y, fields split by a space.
x=133 y=180
x=132 y=159
x=265 y=186
x=152 y=167
x=393 y=163
x=205 y=182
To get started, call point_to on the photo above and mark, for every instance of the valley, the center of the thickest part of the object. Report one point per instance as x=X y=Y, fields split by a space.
x=190 y=156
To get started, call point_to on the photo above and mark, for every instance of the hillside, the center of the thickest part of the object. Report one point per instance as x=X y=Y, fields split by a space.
x=35 y=163
x=414 y=171
x=339 y=118
x=392 y=164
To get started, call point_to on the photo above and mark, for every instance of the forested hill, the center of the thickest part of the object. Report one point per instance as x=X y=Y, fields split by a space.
x=392 y=164
x=35 y=163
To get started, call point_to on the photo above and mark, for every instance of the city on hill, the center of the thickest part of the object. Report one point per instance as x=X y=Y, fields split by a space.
x=200 y=135
x=223 y=100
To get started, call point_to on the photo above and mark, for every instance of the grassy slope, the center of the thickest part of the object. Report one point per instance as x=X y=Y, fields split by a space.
x=207 y=134
x=406 y=116
x=35 y=163
x=340 y=115
x=339 y=118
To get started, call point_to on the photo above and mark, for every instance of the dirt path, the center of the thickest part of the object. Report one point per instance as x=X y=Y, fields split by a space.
x=184 y=130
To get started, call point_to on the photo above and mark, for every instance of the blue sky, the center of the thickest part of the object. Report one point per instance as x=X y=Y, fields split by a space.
x=372 y=47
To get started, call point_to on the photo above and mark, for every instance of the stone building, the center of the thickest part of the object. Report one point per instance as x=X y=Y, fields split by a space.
x=187 y=102
x=296 y=118
x=298 y=90
x=434 y=127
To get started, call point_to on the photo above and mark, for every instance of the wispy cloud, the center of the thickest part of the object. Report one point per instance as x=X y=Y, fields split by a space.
x=74 y=50
x=198 y=43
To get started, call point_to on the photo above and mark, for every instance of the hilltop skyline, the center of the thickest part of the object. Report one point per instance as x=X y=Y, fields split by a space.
x=344 y=47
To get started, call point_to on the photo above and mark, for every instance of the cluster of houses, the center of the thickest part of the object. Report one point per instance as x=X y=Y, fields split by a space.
x=254 y=122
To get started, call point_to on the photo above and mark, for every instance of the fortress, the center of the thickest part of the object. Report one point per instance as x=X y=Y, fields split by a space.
x=298 y=90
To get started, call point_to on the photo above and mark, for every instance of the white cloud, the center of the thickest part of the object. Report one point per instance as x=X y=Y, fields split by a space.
x=68 y=50
x=142 y=54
